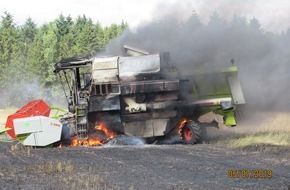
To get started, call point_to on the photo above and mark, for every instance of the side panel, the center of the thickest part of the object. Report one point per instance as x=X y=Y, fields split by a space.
x=44 y=130
x=105 y=70
x=149 y=86
x=236 y=90
x=104 y=103
x=27 y=125
x=105 y=76
x=130 y=67
x=148 y=128
x=105 y=63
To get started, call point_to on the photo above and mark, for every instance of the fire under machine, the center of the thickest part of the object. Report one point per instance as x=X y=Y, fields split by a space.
x=146 y=95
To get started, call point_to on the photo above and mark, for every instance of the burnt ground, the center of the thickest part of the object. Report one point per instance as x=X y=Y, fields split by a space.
x=202 y=166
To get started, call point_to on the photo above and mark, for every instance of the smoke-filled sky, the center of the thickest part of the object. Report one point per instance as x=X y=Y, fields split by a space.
x=262 y=57
x=274 y=15
x=170 y=25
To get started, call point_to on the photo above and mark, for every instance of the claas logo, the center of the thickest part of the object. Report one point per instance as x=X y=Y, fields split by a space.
x=55 y=124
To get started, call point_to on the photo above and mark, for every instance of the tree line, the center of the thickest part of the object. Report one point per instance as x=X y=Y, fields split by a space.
x=28 y=53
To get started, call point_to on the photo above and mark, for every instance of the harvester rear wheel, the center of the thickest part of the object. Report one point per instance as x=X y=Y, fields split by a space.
x=190 y=133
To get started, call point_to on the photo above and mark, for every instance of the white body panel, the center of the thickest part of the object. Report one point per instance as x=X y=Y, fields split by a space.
x=236 y=90
x=105 y=70
x=43 y=130
x=105 y=63
x=213 y=101
x=130 y=67
x=105 y=76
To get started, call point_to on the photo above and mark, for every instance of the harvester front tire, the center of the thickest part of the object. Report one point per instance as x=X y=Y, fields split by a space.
x=191 y=133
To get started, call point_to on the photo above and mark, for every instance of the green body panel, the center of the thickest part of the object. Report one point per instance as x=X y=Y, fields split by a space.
x=215 y=83
x=230 y=119
x=22 y=137
x=212 y=83
x=229 y=115
x=57 y=112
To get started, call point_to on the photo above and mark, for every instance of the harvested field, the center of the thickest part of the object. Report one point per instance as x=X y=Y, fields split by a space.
x=203 y=166
x=209 y=165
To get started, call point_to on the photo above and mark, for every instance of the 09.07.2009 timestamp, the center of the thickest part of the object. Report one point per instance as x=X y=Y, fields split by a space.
x=250 y=173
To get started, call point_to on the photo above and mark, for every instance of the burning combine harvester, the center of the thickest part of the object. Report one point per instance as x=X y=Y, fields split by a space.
x=144 y=95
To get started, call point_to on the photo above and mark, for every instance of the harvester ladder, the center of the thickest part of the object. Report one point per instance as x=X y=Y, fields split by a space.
x=82 y=131
x=82 y=121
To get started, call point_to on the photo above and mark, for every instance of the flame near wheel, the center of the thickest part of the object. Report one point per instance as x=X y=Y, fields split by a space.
x=190 y=133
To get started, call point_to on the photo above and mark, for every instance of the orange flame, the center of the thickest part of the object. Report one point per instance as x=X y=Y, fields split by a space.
x=86 y=142
x=74 y=141
x=94 y=141
x=110 y=134
x=181 y=124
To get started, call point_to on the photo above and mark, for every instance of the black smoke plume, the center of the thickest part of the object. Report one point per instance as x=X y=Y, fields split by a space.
x=261 y=56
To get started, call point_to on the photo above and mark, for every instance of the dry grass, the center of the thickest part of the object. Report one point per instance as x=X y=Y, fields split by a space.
x=63 y=173
x=265 y=132
x=275 y=122
x=60 y=174
x=51 y=167
x=70 y=178
x=43 y=168
x=269 y=138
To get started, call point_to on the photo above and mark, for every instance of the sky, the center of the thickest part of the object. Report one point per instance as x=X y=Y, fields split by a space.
x=274 y=15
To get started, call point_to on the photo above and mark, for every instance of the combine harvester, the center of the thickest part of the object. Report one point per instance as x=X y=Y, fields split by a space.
x=139 y=94
x=146 y=95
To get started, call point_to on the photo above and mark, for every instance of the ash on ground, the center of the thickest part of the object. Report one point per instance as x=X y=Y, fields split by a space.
x=121 y=140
